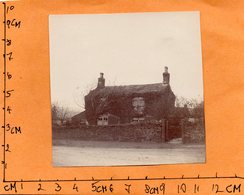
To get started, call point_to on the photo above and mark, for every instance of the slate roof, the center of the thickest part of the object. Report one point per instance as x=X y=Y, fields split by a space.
x=131 y=89
x=81 y=115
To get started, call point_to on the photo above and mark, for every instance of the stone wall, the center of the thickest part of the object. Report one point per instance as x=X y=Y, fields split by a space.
x=148 y=132
x=193 y=131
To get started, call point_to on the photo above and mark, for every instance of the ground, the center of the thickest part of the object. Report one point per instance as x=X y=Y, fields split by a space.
x=101 y=153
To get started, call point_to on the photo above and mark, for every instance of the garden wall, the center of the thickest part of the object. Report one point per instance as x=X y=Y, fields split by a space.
x=193 y=131
x=150 y=132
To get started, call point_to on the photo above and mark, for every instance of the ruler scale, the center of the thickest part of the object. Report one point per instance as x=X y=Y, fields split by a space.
x=187 y=183
x=4 y=92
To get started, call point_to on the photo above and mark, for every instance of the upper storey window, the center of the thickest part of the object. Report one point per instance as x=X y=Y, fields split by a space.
x=138 y=104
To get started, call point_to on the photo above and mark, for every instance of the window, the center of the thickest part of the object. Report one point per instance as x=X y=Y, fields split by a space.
x=138 y=104
x=140 y=119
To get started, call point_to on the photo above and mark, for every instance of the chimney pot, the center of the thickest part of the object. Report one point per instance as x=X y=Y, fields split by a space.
x=166 y=76
x=101 y=81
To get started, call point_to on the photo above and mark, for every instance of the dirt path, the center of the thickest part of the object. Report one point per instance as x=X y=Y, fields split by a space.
x=94 y=153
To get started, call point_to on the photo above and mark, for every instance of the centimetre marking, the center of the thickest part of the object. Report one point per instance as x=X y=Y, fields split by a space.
x=5 y=88
x=71 y=180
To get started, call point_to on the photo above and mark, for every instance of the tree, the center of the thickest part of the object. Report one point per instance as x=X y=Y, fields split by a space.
x=79 y=95
x=196 y=107
x=60 y=113
x=63 y=114
x=54 y=112
x=81 y=91
x=198 y=110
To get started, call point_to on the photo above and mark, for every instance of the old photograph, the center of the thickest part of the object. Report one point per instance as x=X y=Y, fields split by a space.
x=126 y=89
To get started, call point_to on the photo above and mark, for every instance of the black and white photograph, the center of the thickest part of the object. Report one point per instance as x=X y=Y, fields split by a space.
x=126 y=89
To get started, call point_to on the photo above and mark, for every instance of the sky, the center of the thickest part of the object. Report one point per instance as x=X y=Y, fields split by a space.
x=129 y=48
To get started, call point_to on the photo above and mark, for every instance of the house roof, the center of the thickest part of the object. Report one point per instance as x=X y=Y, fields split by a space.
x=108 y=114
x=81 y=115
x=132 y=89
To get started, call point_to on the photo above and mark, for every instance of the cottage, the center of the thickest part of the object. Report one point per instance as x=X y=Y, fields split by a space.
x=107 y=119
x=79 y=119
x=130 y=103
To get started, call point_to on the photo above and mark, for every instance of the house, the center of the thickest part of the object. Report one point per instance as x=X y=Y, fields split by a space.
x=79 y=119
x=107 y=119
x=129 y=103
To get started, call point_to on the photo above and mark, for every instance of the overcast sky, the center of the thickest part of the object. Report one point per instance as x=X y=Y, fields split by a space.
x=128 y=48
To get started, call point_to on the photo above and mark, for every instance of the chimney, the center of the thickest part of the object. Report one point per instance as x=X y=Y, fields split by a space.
x=166 y=76
x=101 y=81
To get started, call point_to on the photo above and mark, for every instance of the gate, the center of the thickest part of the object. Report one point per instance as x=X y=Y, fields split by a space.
x=173 y=128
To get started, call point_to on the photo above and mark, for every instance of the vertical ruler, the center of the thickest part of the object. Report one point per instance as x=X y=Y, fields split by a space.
x=165 y=184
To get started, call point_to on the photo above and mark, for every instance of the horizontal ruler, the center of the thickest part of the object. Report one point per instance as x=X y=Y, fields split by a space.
x=187 y=185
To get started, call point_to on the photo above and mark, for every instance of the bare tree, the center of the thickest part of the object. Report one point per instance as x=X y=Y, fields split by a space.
x=60 y=113
x=79 y=95
x=63 y=114
x=54 y=111
x=195 y=106
x=189 y=102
